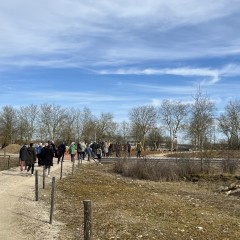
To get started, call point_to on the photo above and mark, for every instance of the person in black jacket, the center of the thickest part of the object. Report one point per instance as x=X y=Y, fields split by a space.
x=31 y=158
x=23 y=157
x=61 y=152
x=47 y=157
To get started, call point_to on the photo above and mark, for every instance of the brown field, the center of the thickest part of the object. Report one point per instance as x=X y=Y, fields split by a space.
x=124 y=208
x=207 y=154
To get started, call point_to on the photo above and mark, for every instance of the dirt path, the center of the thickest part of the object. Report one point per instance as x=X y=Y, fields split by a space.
x=21 y=217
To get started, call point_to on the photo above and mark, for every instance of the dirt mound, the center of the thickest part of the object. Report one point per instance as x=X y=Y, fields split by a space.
x=12 y=148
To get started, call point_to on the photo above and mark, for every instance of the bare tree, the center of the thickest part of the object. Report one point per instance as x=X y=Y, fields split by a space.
x=8 y=124
x=123 y=131
x=51 y=118
x=68 y=127
x=155 y=137
x=105 y=126
x=27 y=122
x=201 y=120
x=78 y=124
x=229 y=123
x=172 y=114
x=142 y=120
x=88 y=125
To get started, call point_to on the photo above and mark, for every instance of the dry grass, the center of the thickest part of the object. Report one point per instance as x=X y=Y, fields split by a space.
x=207 y=154
x=11 y=148
x=132 y=209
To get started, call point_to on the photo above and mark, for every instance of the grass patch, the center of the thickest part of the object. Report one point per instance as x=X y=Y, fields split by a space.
x=124 y=208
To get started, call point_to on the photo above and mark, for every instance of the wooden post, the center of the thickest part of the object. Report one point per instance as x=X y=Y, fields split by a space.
x=44 y=176
x=52 y=200
x=61 y=170
x=87 y=219
x=36 y=185
x=4 y=158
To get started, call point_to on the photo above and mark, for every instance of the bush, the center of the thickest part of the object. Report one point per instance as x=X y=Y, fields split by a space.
x=229 y=166
x=156 y=170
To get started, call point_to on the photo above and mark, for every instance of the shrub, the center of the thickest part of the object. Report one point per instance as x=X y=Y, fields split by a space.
x=157 y=171
x=229 y=165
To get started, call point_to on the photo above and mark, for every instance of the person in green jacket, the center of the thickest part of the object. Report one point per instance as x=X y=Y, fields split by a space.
x=72 y=150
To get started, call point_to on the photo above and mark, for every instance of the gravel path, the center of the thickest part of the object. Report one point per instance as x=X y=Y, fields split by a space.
x=21 y=217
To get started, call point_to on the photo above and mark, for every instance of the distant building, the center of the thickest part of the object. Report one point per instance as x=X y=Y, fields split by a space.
x=184 y=147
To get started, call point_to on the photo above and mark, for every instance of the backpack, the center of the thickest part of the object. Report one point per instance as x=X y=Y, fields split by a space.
x=39 y=150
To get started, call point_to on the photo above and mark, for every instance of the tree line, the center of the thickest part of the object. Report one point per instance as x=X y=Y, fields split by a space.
x=196 y=122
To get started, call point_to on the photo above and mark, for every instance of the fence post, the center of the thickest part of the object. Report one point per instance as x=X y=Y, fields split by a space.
x=36 y=185
x=87 y=219
x=52 y=200
x=4 y=157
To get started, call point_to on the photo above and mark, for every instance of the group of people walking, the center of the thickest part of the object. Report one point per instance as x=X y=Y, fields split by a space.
x=43 y=155
x=82 y=150
x=103 y=149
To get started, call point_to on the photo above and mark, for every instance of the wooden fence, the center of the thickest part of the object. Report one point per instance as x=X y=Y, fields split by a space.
x=8 y=161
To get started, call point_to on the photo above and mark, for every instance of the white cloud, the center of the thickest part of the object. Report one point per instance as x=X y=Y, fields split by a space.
x=210 y=75
x=93 y=32
x=156 y=102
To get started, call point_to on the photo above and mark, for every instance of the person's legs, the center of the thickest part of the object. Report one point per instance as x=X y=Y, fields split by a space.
x=22 y=164
x=100 y=158
x=49 y=170
x=32 y=169
x=44 y=169
x=59 y=157
x=39 y=160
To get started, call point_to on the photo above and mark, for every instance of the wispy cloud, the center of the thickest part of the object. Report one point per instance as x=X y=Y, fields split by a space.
x=214 y=75
x=118 y=54
x=163 y=89
x=107 y=31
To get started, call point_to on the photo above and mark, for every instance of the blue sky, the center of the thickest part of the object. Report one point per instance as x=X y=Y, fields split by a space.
x=112 y=56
